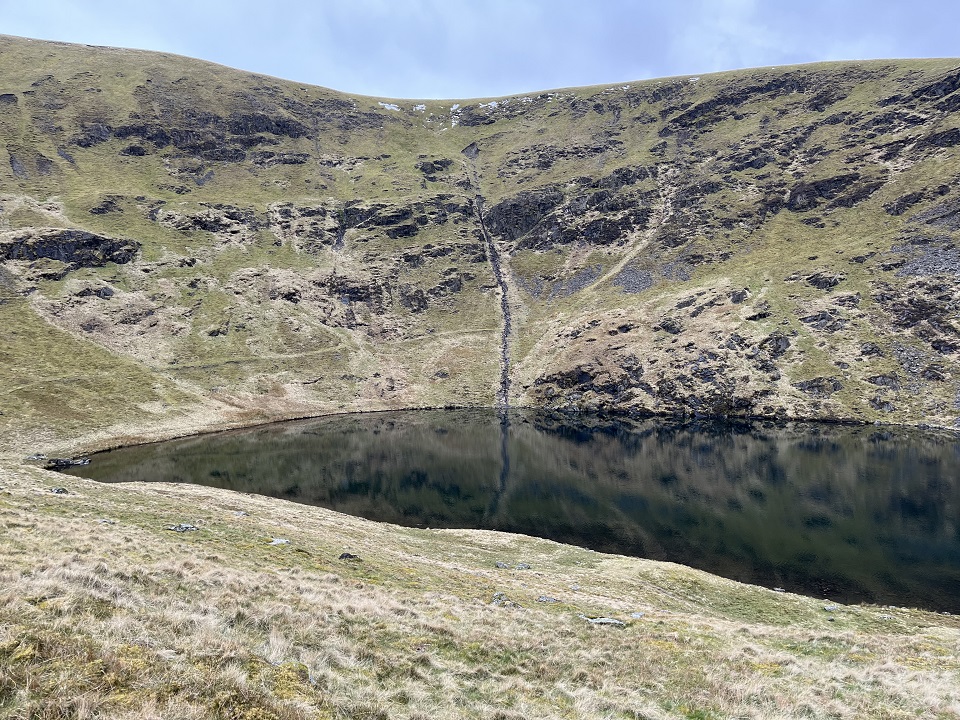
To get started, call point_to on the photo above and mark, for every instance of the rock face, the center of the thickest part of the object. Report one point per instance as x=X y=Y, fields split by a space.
x=778 y=243
x=76 y=248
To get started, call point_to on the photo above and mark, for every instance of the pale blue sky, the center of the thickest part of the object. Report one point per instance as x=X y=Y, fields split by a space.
x=484 y=48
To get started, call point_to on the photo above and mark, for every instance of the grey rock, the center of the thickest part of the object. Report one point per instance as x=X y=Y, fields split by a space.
x=824 y=280
x=500 y=599
x=77 y=248
x=739 y=296
x=59 y=490
x=502 y=565
x=670 y=325
x=761 y=311
x=603 y=621
x=826 y=320
x=348 y=556
x=547 y=599
x=58 y=463
x=775 y=344
x=183 y=527
x=633 y=280
x=820 y=386
x=888 y=381
x=515 y=216
x=878 y=403
x=521 y=566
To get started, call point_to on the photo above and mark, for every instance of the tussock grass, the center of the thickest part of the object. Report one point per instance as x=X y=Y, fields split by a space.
x=127 y=619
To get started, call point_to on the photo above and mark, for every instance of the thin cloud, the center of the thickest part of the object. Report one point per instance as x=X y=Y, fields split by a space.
x=486 y=48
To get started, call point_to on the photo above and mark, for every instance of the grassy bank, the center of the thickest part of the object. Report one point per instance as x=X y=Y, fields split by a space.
x=104 y=612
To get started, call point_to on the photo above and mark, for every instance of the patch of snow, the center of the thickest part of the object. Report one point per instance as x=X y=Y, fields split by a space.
x=694 y=79
x=389 y=106
x=419 y=108
x=493 y=104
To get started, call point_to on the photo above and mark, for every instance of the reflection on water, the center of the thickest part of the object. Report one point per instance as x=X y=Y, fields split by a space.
x=850 y=513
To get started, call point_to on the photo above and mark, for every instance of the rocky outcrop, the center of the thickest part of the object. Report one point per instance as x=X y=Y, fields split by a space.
x=516 y=216
x=75 y=248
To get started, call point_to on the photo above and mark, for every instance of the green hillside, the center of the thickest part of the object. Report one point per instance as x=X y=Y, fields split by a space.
x=775 y=242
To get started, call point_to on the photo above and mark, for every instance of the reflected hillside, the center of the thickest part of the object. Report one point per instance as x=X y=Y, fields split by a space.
x=853 y=513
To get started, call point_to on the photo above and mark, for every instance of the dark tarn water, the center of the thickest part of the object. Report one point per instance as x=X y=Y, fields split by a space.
x=850 y=513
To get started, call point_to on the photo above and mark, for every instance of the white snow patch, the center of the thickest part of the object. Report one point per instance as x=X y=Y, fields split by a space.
x=419 y=108
x=389 y=106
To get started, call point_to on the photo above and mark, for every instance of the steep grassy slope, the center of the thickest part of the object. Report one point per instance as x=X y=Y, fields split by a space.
x=775 y=242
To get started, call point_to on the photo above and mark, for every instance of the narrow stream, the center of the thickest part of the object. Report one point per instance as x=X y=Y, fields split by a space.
x=503 y=392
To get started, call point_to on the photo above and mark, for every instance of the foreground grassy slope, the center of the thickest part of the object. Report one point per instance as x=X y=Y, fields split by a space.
x=105 y=613
x=185 y=247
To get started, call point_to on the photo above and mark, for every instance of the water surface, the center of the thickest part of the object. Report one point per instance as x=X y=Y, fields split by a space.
x=854 y=514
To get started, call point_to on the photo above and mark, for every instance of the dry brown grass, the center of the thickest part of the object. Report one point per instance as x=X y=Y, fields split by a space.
x=127 y=619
